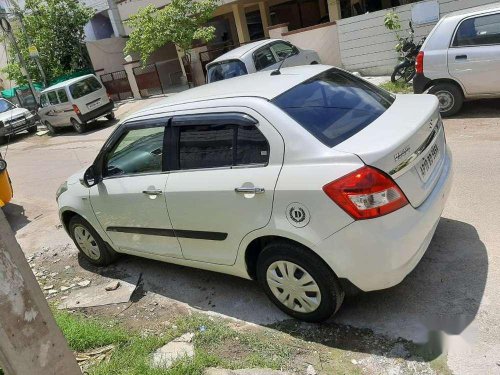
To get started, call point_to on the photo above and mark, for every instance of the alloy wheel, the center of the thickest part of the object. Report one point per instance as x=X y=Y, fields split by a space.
x=293 y=286
x=446 y=100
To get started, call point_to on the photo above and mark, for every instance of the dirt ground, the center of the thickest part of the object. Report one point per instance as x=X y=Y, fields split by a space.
x=449 y=304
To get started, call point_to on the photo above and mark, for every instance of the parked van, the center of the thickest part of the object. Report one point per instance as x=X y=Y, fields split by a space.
x=460 y=58
x=75 y=103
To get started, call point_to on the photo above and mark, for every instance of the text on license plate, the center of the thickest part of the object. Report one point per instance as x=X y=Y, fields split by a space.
x=427 y=164
x=94 y=104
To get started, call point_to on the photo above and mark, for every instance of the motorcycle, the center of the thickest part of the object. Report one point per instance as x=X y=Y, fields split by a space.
x=405 y=70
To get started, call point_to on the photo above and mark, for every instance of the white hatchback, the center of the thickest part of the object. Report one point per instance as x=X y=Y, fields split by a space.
x=310 y=181
x=262 y=55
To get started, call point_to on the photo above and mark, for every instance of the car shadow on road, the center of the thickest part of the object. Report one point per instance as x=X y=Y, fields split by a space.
x=442 y=294
x=485 y=108
x=92 y=127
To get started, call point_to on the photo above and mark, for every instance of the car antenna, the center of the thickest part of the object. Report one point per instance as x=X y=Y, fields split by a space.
x=277 y=71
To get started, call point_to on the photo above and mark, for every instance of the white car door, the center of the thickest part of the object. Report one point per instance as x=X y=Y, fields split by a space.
x=474 y=57
x=227 y=168
x=129 y=202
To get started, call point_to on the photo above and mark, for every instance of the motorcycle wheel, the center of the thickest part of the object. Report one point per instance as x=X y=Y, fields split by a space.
x=398 y=74
x=409 y=74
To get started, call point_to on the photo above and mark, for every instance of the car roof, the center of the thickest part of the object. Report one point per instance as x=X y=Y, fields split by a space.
x=261 y=85
x=474 y=10
x=66 y=83
x=239 y=52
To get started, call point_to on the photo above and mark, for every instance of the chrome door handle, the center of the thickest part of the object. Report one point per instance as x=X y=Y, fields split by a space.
x=249 y=190
x=152 y=192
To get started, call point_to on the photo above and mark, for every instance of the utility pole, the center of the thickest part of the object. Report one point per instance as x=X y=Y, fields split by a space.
x=28 y=39
x=7 y=28
x=30 y=340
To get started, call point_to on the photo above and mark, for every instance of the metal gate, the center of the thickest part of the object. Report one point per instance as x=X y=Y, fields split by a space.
x=117 y=85
x=148 y=80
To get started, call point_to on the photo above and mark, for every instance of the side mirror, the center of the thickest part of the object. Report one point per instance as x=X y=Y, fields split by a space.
x=90 y=177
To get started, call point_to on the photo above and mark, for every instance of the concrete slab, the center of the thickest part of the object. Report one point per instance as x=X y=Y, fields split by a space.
x=176 y=349
x=97 y=295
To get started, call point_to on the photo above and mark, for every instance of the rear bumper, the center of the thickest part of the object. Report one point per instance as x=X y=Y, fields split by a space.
x=11 y=130
x=96 y=113
x=420 y=83
x=379 y=253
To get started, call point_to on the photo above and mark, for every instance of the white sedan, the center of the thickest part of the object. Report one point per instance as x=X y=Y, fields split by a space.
x=262 y=55
x=309 y=181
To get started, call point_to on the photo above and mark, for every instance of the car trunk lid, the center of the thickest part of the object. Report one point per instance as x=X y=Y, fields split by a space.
x=407 y=142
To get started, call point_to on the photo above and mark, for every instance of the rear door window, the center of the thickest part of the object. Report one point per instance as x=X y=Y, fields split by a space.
x=84 y=87
x=63 y=98
x=283 y=50
x=334 y=105
x=225 y=70
x=484 y=30
x=52 y=97
x=263 y=58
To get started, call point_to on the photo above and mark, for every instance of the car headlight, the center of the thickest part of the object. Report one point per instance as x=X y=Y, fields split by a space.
x=62 y=189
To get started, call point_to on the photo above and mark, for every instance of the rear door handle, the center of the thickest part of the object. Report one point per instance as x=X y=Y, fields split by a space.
x=152 y=192
x=249 y=190
x=461 y=57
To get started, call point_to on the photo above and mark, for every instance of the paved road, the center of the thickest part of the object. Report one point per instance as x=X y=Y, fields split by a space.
x=454 y=289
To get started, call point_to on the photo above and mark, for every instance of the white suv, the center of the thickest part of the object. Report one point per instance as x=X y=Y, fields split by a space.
x=308 y=181
x=460 y=60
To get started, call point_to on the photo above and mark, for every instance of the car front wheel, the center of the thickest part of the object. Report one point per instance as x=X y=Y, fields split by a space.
x=299 y=283
x=90 y=244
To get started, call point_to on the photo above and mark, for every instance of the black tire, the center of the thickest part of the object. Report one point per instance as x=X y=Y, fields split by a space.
x=105 y=255
x=3 y=139
x=50 y=128
x=331 y=293
x=398 y=74
x=33 y=129
x=451 y=98
x=111 y=116
x=314 y=63
x=80 y=128
x=409 y=74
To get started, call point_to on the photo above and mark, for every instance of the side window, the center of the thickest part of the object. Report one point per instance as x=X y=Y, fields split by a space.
x=251 y=147
x=213 y=146
x=477 y=31
x=206 y=146
x=43 y=100
x=138 y=151
x=283 y=50
x=263 y=58
x=63 y=98
x=52 y=97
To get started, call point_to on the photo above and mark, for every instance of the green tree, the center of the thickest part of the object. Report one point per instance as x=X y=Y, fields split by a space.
x=181 y=22
x=55 y=27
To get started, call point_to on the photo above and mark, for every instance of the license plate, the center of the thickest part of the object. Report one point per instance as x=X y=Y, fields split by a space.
x=428 y=163
x=94 y=104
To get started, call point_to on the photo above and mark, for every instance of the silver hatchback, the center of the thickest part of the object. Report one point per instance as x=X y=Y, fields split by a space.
x=460 y=59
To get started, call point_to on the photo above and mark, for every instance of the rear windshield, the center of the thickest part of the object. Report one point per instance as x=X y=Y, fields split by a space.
x=225 y=70
x=84 y=87
x=334 y=105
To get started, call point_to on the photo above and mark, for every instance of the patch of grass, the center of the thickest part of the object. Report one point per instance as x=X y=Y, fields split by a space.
x=85 y=333
x=398 y=87
x=216 y=345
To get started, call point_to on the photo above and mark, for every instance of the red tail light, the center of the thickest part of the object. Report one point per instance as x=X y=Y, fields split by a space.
x=76 y=109
x=366 y=193
x=419 y=63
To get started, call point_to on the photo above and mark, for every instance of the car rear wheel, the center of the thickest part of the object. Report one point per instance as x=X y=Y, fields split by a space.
x=33 y=129
x=111 y=116
x=301 y=285
x=90 y=244
x=450 y=98
x=80 y=128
